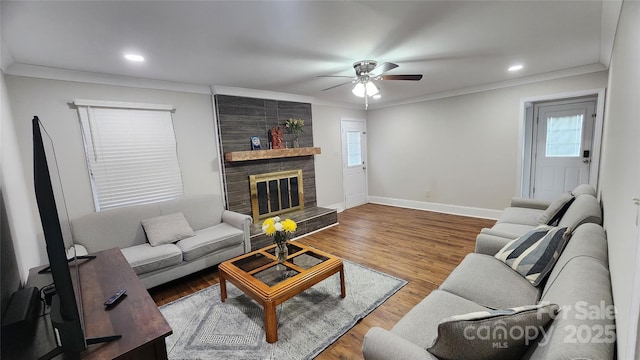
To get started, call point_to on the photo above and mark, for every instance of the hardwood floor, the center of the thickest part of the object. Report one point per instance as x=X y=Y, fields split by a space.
x=421 y=247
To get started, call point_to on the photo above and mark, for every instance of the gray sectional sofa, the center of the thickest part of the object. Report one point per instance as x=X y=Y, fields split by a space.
x=217 y=235
x=579 y=284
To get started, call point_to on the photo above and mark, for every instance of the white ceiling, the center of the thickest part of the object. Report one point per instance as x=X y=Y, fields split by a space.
x=281 y=46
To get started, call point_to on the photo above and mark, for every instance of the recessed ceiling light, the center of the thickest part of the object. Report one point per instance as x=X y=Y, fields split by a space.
x=134 y=57
x=515 y=67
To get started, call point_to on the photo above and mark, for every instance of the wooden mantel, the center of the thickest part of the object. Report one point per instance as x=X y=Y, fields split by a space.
x=269 y=154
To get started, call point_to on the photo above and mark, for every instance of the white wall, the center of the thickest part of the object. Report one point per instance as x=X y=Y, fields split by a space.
x=620 y=171
x=49 y=99
x=22 y=222
x=463 y=149
x=327 y=135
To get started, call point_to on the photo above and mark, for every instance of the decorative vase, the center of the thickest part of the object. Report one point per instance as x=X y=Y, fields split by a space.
x=281 y=253
x=296 y=144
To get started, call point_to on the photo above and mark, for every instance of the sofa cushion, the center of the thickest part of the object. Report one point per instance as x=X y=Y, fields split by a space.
x=146 y=258
x=166 y=229
x=382 y=344
x=489 y=244
x=420 y=324
x=581 y=284
x=491 y=334
x=585 y=209
x=201 y=211
x=556 y=210
x=534 y=254
x=210 y=240
x=510 y=228
x=489 y=282
x=588 y=240
x=585 y=328
x=112 y=228
x=583 y=189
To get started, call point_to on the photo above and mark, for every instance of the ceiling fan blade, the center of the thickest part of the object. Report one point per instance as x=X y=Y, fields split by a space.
x=338 y=76
x=335 y=86
x=383 y=68
x=401 y=77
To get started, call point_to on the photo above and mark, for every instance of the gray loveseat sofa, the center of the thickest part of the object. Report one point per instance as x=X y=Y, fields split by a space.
x=218 y=235
x=579 y=284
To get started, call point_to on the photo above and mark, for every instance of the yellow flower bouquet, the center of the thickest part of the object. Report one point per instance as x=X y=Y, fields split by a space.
x=281 y=230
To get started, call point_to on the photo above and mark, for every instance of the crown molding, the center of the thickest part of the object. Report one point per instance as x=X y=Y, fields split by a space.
x=581 y=70
x=44 y=72
x=52 y=73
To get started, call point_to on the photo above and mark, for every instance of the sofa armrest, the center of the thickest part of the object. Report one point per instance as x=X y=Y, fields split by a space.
x=502 y=234
x=241 y=222
x=490 y=244
x=529 y=203
x=381 y=344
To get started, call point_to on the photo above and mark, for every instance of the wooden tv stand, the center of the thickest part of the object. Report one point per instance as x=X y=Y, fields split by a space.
x=136 y=317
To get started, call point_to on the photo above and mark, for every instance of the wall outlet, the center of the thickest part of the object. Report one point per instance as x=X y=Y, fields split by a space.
x=427 y=193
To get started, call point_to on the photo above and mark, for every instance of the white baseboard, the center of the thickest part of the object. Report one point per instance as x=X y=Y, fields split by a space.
x=437 y=207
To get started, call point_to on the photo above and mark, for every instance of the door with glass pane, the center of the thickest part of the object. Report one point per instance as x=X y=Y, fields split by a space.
x=354 y=162
x=563 y=136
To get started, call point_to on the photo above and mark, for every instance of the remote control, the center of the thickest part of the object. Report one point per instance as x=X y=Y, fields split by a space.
x=115 y=298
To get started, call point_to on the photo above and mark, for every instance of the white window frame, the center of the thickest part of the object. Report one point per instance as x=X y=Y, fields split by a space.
x=106 y=193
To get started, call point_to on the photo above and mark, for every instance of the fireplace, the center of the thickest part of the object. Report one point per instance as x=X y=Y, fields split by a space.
x=276 y=193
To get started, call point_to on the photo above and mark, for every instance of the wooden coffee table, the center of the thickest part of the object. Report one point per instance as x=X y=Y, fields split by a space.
x=259 y=275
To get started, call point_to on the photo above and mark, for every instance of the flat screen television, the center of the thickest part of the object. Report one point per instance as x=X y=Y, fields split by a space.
x=66 y=306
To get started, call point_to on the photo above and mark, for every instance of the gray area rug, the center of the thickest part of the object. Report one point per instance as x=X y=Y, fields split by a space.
x=206 y=328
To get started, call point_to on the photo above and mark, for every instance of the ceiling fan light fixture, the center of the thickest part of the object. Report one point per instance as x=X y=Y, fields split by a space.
x=365 y=88
x=372 y=89
x=377 y=96
x=358 y=90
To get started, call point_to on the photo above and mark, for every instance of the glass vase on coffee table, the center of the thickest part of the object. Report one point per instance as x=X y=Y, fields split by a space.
x=281 y=230
x=281 y=253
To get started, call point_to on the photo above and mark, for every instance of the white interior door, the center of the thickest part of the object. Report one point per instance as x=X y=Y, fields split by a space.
x=354 y=159
x=563 y=137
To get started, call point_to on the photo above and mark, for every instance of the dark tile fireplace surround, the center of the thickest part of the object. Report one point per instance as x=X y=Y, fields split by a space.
x=240 y=118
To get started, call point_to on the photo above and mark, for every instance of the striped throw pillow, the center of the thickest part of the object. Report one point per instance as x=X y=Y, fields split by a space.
x=556 y=210
x=534 y=254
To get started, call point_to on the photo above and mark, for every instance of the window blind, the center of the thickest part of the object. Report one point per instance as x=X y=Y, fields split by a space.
x=131 y=155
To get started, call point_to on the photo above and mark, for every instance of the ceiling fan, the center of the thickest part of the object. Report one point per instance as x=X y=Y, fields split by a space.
x=368 y=71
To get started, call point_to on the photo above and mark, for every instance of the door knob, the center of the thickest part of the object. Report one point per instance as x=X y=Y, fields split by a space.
x=586 y=161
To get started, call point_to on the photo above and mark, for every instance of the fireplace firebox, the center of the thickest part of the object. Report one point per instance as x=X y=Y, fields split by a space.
x=276 y=193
